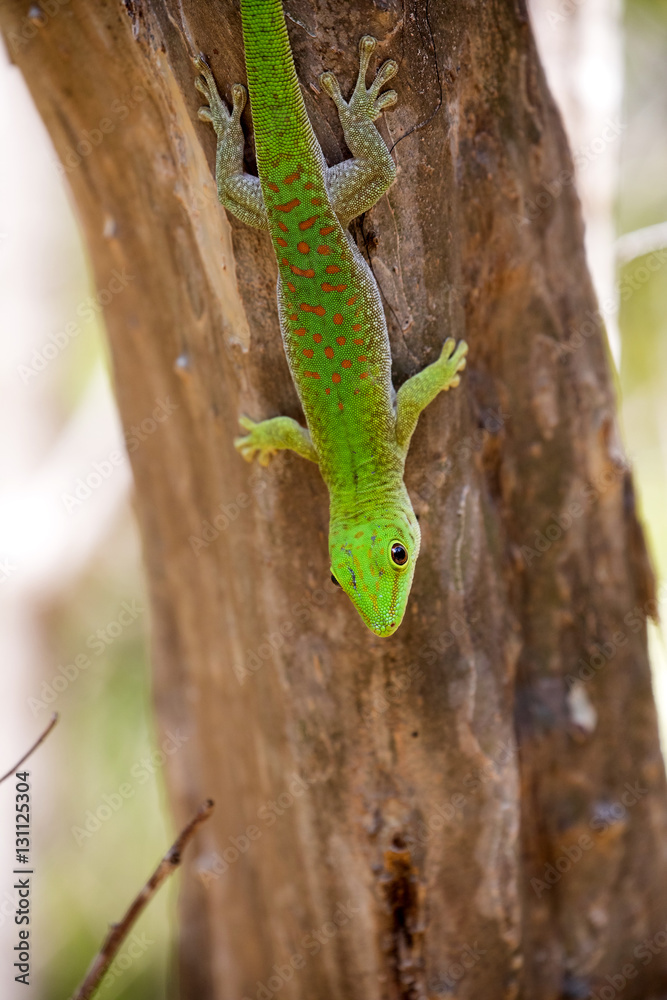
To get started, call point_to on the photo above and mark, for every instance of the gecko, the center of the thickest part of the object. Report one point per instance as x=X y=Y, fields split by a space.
x=333 y=327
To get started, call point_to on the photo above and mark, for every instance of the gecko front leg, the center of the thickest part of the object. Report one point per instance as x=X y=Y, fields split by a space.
x=415 y=394
x=241 y=193
x=270 y=436
x=356 y=185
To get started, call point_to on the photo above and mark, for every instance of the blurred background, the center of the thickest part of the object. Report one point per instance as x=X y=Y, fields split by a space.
x=74 y=621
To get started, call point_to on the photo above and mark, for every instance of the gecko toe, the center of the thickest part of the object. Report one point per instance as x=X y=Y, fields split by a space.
x=386 y=100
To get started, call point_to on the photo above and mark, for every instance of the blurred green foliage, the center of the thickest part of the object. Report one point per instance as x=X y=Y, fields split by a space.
x=110 y=821
x=642 y=201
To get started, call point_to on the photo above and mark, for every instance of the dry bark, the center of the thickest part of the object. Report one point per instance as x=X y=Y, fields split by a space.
x=415 y=811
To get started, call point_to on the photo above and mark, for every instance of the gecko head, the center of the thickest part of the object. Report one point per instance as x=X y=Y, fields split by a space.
x=373 y=555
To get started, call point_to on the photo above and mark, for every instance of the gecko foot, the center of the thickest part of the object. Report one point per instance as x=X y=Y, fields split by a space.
x=452 y=362
x=216 y=111
x=257 y=442
x=364 y=104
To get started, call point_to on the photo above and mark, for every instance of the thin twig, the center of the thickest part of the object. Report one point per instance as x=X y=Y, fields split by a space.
x=13 y=770
x=640 y=242
x=118 y=932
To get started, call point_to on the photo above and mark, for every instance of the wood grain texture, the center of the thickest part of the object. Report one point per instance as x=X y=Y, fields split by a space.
x=413 y=809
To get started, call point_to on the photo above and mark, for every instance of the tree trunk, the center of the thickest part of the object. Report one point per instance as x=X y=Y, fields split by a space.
x=475 y=807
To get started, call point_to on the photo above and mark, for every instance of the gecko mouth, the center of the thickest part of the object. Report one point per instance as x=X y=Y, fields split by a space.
x=381 y=627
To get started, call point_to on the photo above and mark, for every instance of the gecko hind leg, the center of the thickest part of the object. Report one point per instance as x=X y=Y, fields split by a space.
x=415 y=394
x=357 y=184
x=241 y=193
x=269 y=436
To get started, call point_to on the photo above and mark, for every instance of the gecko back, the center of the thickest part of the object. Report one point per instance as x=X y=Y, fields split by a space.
x=332 y=322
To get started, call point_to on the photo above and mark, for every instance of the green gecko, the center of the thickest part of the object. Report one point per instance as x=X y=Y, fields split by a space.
x=331 y=318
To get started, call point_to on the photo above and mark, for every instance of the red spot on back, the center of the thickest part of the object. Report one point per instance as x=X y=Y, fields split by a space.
x=326 y=287
x=281 y=242
x=301 y=332
x=364 y=375
x=329 y=351
x=324 y=250
x=309 y=186
x=327 y=390
x=293 y=316
x=274 y=187
x=356 y=327
x=317 y=337
x=281 y=225
x=292 y=177
x=358 y=341
x=351 y=301
x=332 y=269
x=318 y=310
x=291 y=286
x=346 y=364
x=303 y=247
x=309 y=352
x=288 y=206
x=326 y=230
x=316 y=201
x=340 y=340
x=338 y=319
x=362 y=358
x=307 y=223
x=308 y=273
x=312 y=374
x=335 y=377
x=340 y=406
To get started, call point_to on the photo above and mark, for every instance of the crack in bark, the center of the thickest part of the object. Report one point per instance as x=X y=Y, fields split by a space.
x=403 y=894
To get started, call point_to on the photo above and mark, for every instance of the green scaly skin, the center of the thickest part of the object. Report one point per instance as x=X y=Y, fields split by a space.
x=331 y=318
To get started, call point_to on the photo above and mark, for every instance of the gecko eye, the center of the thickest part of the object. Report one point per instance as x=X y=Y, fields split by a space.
x=399 y=554
x=334 y=580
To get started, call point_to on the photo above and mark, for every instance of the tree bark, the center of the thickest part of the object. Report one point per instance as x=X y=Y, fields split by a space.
x=446 y=812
